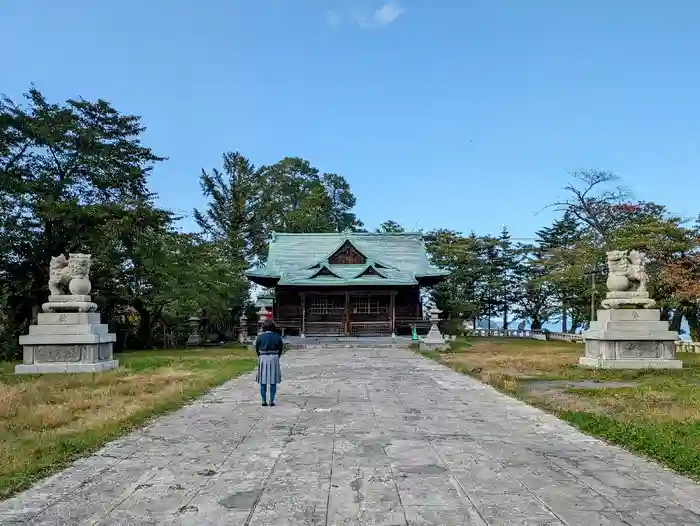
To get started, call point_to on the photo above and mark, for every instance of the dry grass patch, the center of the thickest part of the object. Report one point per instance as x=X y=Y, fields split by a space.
x=519 y=359
x=548 y=372
x=46 y=421
x=656 y=413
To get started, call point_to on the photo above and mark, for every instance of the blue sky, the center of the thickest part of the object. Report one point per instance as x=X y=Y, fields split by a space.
x=454 y=114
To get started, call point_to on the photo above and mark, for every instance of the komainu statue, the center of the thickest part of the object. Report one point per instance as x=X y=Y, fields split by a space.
x=70 y=276
x=627 y=280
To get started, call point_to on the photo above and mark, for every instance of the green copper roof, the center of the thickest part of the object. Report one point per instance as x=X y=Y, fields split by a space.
x=264 y=301
x=302 y=260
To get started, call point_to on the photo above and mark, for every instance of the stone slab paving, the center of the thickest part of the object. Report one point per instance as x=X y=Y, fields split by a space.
x=360 y=437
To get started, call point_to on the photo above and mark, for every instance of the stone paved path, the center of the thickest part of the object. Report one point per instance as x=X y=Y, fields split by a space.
x=359 y=437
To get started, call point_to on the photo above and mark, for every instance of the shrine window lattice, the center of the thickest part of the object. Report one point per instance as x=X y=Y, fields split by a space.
x=368 y=305
x=326 y=305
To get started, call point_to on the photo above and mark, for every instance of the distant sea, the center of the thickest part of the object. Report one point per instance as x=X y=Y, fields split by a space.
x=556 y=327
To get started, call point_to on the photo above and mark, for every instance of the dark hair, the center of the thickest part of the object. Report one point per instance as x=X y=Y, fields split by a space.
x=268 y=325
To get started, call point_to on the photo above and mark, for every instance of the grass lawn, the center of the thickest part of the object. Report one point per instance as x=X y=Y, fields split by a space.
x=655 y=413
x=47 y=421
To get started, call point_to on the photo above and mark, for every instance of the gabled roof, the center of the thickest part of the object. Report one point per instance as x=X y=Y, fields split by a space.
x=372 y=269
x=264 y=301
x=394 y=259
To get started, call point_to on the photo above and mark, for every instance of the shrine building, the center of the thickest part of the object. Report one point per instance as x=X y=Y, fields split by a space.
x=347 y=284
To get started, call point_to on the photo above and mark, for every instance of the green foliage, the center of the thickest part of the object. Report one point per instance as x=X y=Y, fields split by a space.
x=458 y=296
x=673 y=443
x=72 y=178
x=507 y=271
x=553 y=277
x=247 y=204
x=453 y=327
x=537 y=298
x=295 y=197
x=486 y=274
x=390 y=227
x=231 y=215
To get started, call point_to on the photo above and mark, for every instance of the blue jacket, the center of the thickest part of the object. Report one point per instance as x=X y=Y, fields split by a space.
x=269 y=343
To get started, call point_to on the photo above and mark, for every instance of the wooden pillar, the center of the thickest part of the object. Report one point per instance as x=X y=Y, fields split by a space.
x=347 y=313
x=303 y=314
x=392 y=308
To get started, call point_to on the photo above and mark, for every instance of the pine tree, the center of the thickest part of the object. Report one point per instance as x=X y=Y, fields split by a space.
x=229 y=218
x=557 y=246
x=509 y=267
x=491 y=282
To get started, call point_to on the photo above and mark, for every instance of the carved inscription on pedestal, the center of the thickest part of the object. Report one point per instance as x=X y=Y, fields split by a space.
x=593 y=349
x=635 y=350
x=58 y=353
x=666 y=350
x=63 y=318
x=103 y=351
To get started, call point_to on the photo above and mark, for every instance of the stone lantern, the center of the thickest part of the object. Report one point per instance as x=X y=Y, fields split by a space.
x=434 y=339
x=194 y=338
x=243 y=332
x=263 y=314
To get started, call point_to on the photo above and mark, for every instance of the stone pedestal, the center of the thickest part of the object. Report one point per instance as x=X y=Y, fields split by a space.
x=67 y=342
x=630 y=339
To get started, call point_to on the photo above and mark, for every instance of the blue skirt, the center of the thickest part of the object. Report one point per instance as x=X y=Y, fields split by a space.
x=269 y=370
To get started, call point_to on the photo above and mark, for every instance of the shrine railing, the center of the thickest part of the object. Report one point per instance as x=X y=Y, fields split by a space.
x=686 y=346
x=370 y=328
x=323 y=328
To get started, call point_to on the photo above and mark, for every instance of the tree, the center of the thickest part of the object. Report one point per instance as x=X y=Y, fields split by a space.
x=678 y=280
x=341 y=201
x=508 y=265
x=230 y=218
x=294 y=197
x=457 y=296
x=248 y=204
x=390 y=227
x=490 y=282
x=202 y=278
x=591 y=204
x=71 y=176
x=536 y=302
x=606 y=219
x=565 y=254
x=683 y=279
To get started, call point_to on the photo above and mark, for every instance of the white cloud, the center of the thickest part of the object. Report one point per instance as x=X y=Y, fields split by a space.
x=387 y=13
x=361 y=19
x=382 y=16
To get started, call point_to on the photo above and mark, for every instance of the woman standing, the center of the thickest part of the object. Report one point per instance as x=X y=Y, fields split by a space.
x=269 y=347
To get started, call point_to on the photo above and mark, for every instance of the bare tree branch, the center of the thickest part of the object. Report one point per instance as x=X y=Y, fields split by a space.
x=588 y=203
